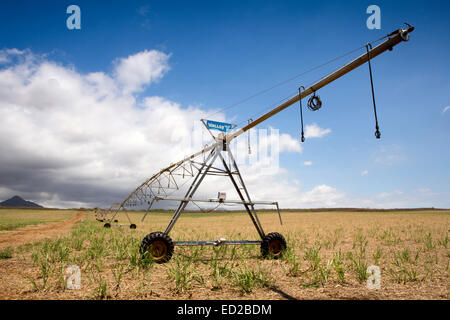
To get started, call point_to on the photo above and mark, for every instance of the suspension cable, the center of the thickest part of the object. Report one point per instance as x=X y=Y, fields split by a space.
x=206 y=211
x=288 y=80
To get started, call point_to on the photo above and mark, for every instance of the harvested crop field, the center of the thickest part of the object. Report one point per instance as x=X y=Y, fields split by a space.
x=327 y=258
x=11 y=219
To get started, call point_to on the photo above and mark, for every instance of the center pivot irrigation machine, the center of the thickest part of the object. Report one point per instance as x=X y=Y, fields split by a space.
x=164 y=185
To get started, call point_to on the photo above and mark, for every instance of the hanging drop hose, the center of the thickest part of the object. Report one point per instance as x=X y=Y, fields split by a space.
x=377 y=128
x=301 y=111
x=314 y=102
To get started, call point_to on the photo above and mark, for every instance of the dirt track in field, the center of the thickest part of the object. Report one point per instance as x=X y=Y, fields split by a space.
x=38 y=232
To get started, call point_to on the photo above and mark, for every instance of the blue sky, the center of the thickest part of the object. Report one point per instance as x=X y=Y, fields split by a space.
x=224 y=51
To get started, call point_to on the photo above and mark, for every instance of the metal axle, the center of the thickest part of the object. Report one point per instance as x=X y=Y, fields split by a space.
x=219 y=242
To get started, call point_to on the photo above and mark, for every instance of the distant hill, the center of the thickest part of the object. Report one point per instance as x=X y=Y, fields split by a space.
x=17 y=201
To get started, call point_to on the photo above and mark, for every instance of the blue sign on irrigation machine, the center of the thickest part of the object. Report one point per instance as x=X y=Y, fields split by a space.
x=221 y=126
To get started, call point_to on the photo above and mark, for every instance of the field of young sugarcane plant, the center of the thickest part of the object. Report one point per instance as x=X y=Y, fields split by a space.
x=327 y=257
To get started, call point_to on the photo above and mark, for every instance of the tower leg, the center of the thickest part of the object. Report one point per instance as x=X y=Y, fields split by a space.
x=194 y=186
x=248 y=207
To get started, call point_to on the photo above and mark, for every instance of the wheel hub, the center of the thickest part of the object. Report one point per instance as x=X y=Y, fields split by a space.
x=158 y=249
x=275 y=247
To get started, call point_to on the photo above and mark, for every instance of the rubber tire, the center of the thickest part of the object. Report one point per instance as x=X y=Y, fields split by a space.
x=163 y=240
x=107 y=225
x=273 y=241
x=132 y=226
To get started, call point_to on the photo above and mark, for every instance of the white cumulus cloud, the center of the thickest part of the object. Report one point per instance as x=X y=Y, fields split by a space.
x=69 y=138
x=140 y=69
x=314 y=131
